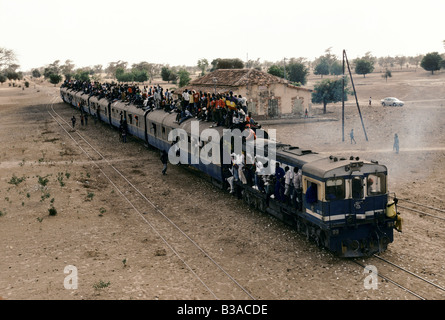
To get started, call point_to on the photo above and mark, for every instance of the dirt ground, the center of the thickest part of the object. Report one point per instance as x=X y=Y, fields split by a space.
x=118 y=255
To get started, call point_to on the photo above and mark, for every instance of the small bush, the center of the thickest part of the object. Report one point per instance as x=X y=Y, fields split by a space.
x=43 y=181
x=16 y=181
x=101 y=285
x=52 y=211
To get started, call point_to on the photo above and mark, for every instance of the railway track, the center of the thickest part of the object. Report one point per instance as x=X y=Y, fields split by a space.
x=414 y=284
x=422 y=209
x=191 y=254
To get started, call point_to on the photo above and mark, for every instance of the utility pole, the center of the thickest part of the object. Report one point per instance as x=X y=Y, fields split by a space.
x=345 y=58
x=343 y=101
x=284 y=68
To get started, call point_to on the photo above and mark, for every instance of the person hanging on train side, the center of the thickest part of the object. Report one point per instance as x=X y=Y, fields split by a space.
x=288 y=176
x=259 y=172
x=297 y=189
x=279 y=176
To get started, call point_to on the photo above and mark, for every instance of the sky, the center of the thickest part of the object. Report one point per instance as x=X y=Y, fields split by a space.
x=172 y=32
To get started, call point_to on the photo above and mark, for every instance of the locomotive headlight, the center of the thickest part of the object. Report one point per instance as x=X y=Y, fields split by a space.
x=390 y=224
x=335 y=232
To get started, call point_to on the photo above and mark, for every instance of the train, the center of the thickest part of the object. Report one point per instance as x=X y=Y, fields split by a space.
x=349 y=211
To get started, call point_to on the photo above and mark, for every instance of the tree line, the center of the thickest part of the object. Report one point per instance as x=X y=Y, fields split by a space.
x=295 y=70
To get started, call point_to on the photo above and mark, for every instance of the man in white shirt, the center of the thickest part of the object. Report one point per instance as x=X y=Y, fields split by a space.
x=297 y=193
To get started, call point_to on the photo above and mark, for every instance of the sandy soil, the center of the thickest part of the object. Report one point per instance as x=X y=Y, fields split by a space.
x=117 y=253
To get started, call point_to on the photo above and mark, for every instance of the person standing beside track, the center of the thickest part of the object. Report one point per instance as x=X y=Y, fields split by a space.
x=396 y=143
x=73 y=121
x=164 y=160
x=351 y=134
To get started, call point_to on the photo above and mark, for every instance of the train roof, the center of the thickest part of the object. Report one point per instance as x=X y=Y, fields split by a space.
x=332 y=166
x=129 y=108
x=169 y=120
x=295 y=156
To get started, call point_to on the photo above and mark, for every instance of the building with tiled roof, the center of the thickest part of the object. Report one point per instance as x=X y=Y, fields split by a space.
x=268 y=96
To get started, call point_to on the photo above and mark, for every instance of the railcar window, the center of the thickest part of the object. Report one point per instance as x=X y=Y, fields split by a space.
x=357 y=188
x=153 y=129
x=130 y=117
x=376 y=184
x=335 y=189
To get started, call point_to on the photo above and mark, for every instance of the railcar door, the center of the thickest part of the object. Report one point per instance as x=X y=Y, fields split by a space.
x=357 y=202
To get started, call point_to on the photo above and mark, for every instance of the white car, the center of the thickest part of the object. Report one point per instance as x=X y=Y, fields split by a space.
x=390 y=101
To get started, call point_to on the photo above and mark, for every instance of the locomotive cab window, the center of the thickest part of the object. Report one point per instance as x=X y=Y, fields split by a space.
x=376 y=184
x=357 y=188
x=335 y=189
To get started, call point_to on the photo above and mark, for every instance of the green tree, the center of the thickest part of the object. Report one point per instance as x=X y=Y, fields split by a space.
x=431 y=62
x=329 y=91
x=36 y=73
x=67 y=69
x=52 y=68
x=3 y=78
x=140 y=75
x=82 y=75
x=122 y=75
x=336 y=68
x=203 y=64
x=125 y=77
x=297 y=72
x=55 y=79
x=113 y=66
x=276 y=70
x=184 y=77
x=13 y=75
x=165 y=74
x=322 y=67
x=387 y=74
x=227 y=64
x=364 y=66
x=173 y=76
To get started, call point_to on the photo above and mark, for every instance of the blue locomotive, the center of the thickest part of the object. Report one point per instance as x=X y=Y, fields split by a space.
x=344 y=204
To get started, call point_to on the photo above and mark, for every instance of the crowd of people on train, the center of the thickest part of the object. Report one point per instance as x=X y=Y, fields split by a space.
x=223 y=109
x=284 y=185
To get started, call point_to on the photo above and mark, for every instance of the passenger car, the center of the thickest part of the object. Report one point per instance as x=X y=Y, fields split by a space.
x=391 y=101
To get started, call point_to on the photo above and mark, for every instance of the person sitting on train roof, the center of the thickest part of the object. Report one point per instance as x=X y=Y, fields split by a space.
x=186 y=115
